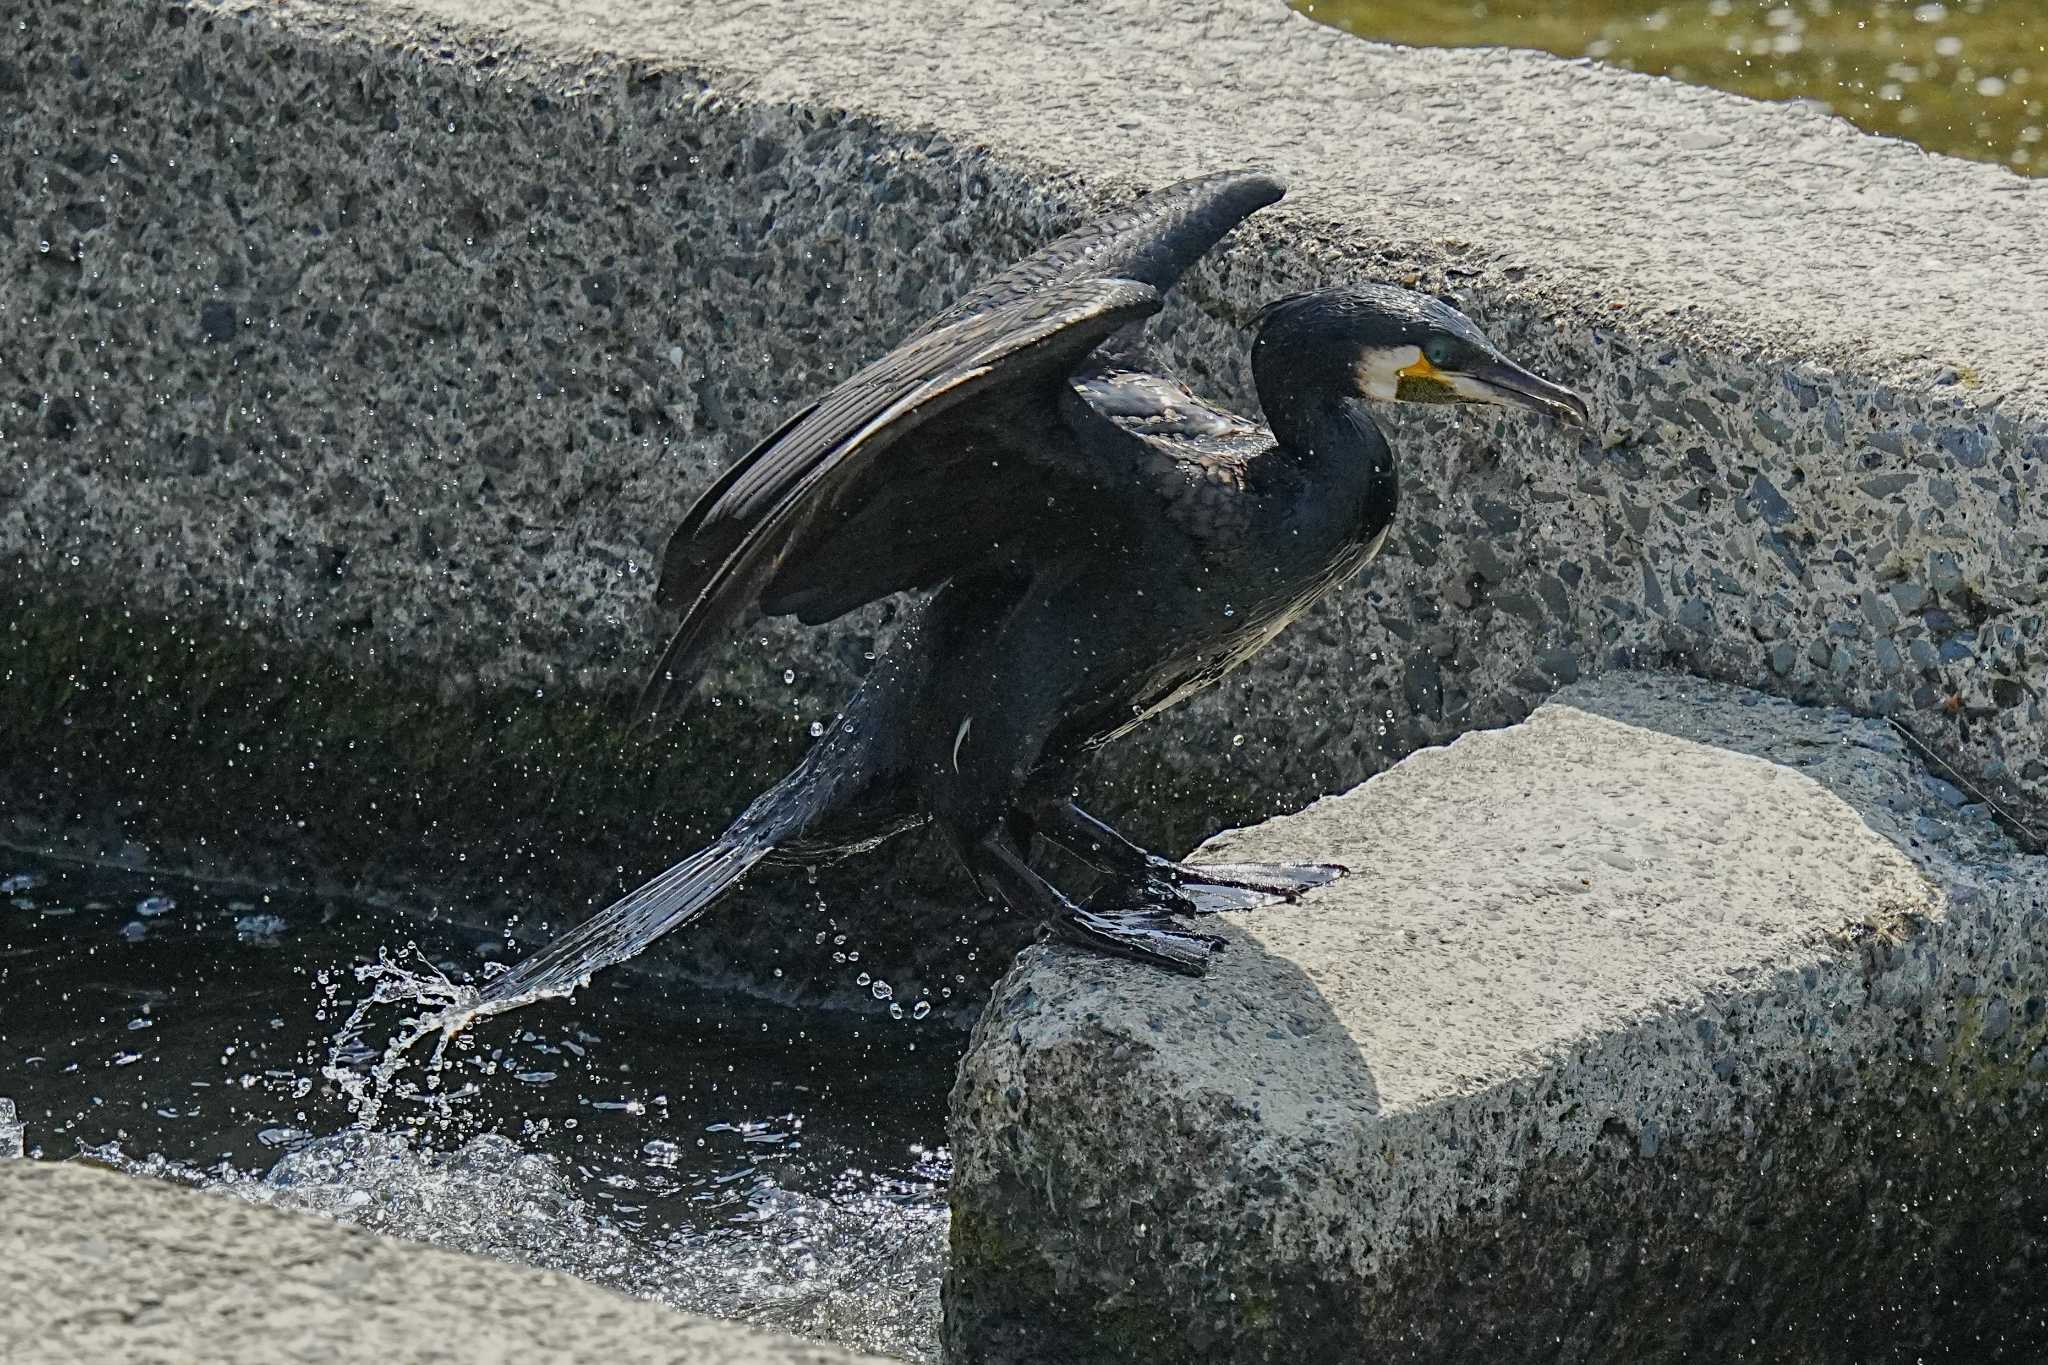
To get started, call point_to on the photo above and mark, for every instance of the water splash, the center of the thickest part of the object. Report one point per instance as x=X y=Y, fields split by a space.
x=13 y=1134
x=719 y=1154
x=450 y=1008
x=620 y=931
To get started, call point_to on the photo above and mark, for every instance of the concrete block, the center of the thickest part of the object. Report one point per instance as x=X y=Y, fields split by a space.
x=361 y=355
x=106 y=1267
x=1674 y=1023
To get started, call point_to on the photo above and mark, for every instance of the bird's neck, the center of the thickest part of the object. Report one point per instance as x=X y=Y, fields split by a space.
x=1319 y=420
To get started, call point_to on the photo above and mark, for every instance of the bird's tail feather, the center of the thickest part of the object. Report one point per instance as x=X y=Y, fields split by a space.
x=628 y=925
x=625 y=927
x=848 y=762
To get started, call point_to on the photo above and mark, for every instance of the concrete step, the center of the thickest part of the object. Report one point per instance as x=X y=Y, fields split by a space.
x=1675 y=1023
x=104 y=1267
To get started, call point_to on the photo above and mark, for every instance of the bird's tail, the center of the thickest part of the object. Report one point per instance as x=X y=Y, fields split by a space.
x=628 y=925
x=625 y=927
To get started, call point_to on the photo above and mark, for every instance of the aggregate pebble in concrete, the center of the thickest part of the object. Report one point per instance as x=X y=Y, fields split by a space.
x=106 y=1267
x=391 y=339
x=1676 y=1022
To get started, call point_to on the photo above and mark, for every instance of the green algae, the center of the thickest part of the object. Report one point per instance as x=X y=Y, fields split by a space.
x=318 y=769
x=1969 y=78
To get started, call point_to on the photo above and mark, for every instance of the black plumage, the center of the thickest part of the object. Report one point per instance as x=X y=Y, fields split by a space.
x=1099 y=543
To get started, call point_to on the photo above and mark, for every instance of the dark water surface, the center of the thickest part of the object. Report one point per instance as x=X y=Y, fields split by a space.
x=1967 y=77
x=717 y=1153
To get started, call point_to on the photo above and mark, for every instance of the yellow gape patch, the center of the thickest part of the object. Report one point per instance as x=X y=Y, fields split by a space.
x=1422 y=382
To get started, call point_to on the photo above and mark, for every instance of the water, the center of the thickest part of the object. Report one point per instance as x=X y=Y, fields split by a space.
x=11 y=1132
x=720 y=1155
x=1969 y=77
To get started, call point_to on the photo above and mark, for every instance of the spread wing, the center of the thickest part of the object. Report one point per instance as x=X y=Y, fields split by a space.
x=822 y=516
x=758 y=516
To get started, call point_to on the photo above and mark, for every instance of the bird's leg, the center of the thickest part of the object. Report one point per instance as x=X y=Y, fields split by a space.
x=1182 y=888
x=999 y=868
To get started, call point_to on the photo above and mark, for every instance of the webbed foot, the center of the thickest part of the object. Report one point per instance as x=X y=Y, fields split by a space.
x=1211 y=887
x=1205 y=887
x=1148 y=936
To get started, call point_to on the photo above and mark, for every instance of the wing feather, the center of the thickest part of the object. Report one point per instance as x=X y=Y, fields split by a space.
x=756 y=515
x=812 y=520
x=1152 y=241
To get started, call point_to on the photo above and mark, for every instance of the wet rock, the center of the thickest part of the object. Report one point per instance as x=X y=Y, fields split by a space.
x=1558 y=665
x=1770 y=503
x=1910 y=597
x=217 y=321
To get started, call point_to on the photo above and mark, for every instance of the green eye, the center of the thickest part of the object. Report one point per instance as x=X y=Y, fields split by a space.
x=1439 y=351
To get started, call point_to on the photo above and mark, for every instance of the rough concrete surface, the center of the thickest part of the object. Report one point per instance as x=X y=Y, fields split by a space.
x=359 y=356
x=1674 y=1023
x=104 y=1267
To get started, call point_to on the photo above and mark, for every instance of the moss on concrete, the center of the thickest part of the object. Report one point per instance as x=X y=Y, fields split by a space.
x=1901 y=1224
x=181 y=744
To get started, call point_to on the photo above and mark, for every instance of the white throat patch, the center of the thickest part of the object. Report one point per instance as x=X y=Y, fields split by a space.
x=1379 y=370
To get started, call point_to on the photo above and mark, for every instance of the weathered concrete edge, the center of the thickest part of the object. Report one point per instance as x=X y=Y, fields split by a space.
x=1691 y=559
x=1928 y=1029
x=859 y=60
x=104 y=1266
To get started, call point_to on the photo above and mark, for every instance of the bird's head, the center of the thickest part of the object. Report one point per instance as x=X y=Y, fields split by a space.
x=1394 y=345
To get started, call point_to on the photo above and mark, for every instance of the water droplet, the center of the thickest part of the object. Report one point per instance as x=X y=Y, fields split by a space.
x=863 y=978
x=895 y=1010
x=882 y=989
x=817 y=728
x=789 y=675
x=1237 y=741
x=920 y=1009
x=11 y=1133
x=155 y=905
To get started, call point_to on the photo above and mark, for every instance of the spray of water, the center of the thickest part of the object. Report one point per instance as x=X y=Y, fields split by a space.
x=448 y=1009
x=620 y=931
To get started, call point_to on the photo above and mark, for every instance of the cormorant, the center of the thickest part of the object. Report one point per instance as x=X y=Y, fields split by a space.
x=1099 y=543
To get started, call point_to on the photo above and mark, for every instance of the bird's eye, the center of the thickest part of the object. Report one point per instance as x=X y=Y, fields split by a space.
x=1440 y=351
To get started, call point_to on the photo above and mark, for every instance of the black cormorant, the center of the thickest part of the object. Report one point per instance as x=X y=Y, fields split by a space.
x=1099 y=543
